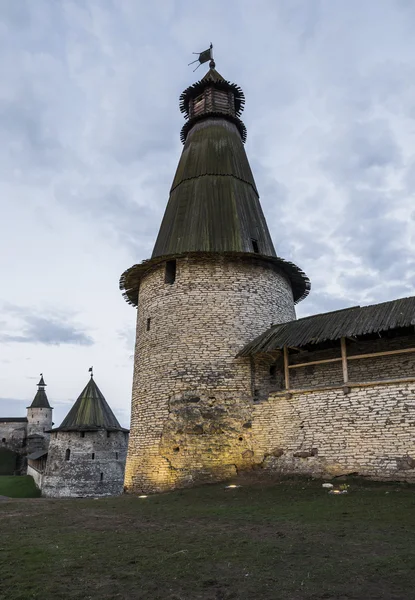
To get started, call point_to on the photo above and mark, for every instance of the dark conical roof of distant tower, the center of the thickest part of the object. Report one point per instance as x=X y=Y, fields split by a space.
x=214 y=205
x=40 y=400
x=90 y=412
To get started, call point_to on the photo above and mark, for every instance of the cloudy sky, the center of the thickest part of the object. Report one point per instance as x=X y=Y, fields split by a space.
x=89 y=142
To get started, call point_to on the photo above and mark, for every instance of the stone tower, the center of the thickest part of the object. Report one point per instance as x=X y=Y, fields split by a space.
x=87 y=451
x=213 y=283
x=39 y=414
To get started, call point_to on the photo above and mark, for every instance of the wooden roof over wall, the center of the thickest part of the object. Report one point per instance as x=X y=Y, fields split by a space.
x=349 y=322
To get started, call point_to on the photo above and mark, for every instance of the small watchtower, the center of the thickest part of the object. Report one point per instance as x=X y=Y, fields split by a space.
x=87 y=451
x=39 y=419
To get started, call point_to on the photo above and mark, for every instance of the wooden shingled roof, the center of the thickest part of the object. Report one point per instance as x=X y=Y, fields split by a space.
x=40 y=400
x=220 y=83
x=90 y=412
x=349 y=322
x=214 y=206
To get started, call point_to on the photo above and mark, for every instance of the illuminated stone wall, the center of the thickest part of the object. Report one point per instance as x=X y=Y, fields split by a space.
x=324 y=432
x=370 y=431
x=95 y=466
x=192 y=399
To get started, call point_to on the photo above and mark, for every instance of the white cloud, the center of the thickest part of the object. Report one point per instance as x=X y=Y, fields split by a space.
x=89 y=142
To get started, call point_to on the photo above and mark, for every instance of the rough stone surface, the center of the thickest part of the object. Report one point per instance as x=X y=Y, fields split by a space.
x=95 y=466
x=13 y=435
x=370 y=431
x=25 y=437
x=368 y=369
x=39 y=421
x=191 y=396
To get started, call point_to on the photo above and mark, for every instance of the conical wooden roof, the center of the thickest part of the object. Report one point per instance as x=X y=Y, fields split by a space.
x=40 y=400
x=90 y=412
x=214 y=205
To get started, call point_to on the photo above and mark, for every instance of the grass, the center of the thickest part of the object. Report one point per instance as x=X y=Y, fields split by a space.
x=18 y=487
x=286 y=541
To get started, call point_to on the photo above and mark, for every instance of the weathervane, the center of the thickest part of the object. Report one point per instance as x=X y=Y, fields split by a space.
x=204 y=57
x=91 y=371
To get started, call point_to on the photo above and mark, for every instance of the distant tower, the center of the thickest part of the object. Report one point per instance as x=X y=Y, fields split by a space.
x=87 y=451
x=39 y=414
x=213 y=283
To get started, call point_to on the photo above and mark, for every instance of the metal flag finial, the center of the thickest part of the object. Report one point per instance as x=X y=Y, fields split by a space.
x=204 y=57
x=91 y=371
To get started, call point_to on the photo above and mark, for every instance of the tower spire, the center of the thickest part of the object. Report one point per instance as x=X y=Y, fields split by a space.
x=40 y=400
x=214 y=202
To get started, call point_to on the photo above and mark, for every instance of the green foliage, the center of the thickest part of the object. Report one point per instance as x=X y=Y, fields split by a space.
x=286 y=541
x=8 y=460
x=18 y=487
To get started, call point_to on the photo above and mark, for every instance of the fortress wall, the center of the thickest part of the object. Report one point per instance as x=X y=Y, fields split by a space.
x=14 y=433
x=370 y=431
x=359 y=370
x=367 y=369
x=192 y=399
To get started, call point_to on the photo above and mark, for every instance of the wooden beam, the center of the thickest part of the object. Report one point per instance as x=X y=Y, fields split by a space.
x=315 y=362
x=386 y=353
x=286 y=369
x=353 y=357
x=344 y=359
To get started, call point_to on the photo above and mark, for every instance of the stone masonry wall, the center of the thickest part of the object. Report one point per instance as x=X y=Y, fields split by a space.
x=13 y=434
x=359 y=370
x=370 y=431
x=192 y=399
x=39 y=420
x=95 y=466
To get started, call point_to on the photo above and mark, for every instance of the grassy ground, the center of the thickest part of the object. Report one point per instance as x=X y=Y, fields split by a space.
x=18 y=487
x=286 y=541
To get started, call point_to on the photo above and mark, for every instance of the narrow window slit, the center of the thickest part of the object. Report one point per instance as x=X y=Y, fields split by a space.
x=67 y=454
x=170 y=274
x=255 y=246
x=102 y=477
x=93 y=456
x=148 y=324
